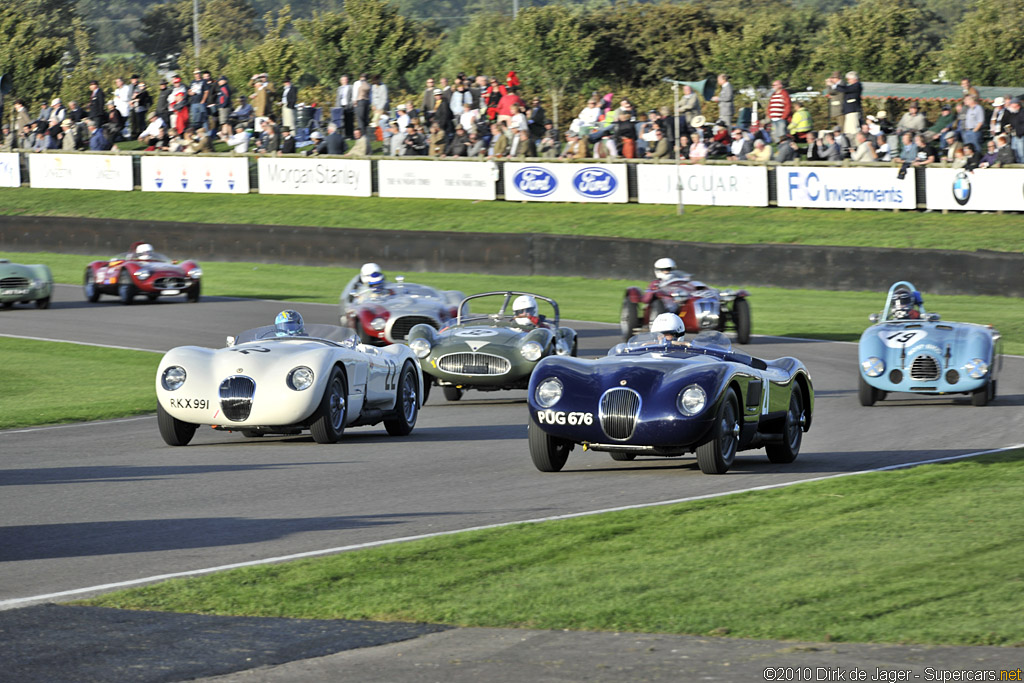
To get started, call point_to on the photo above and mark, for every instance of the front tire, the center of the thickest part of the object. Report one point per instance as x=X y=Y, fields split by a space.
x=866 y=393
x=43 y=303
x=193 y=293
x=982 y=396
x=125 y=288
x=452 y=393
x=717 y=455
x=92 y=292
x=407 y=404
x=629 y=320
x=792 y=431
x=548 y=453
x=624 y=457
x=174 y=431
x=741 y=316
x=329 y=422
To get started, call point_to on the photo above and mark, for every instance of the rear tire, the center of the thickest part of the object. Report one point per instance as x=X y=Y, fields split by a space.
x=329 y=423
x=629 y=320
x=125 y=288
x=92 y=292
x=866 y=393
x=174 y=431
x=407 y=403
x=717 y=455
x=452 y=393
x=741 y=316
x=623 y=457
x=548 y=453
x=792 y=431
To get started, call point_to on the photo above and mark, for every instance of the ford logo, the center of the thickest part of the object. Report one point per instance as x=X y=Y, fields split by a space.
x=594 y=182
x=534 y=181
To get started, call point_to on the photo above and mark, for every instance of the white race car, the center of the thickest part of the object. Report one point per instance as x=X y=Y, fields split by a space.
x=270 y=382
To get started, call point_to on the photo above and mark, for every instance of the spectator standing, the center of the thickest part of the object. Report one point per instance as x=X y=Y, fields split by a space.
x=505 y=104
x=114 y=125
x=468 y=117
x=427 y=102
x=289 y=99
x=180 y=107
x=344 y=101
x=536 y=118
x=800 y=125
x=625 y=135
x=97 y=110
x=851 y=93
x=362 y=90
x=779 y=110
x=122 y=98
x=380 y=102
x=222 y=100
x=968 y=89
x=261 y=99
x=974 y=120
x=196 y=100
x=141 y=102
x=1014 y=120
x=442 y=114
x=726 y=110
x=437 y=140
x=995 y=121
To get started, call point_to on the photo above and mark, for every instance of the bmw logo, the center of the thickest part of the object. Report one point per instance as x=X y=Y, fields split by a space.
x=594 y=182
x=962 y=188
x=534 y=181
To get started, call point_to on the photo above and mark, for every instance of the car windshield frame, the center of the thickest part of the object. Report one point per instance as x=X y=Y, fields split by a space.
x=331 y=334
x=146 y=257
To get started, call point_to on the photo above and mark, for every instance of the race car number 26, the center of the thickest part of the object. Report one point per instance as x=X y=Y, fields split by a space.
x=198 y=403
x=560 y=417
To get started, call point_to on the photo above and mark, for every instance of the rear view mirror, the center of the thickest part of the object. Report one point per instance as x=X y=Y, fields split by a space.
x=230 y=340
x=874 y=317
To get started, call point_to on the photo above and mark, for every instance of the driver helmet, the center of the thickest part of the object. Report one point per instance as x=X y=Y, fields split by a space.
x=668 y=327
x=288 y=323
x=663 y=268
x=371 y=276
x=524 y=309
x=902 y=304
x=144 y=250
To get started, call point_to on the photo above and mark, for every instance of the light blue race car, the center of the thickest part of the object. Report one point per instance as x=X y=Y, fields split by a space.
x=911 y=350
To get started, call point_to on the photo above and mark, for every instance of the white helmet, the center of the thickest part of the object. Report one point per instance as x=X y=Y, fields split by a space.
x=525 y=309
x=370 y=274
x=663 y=268
x=143 y=248
x=668 y=323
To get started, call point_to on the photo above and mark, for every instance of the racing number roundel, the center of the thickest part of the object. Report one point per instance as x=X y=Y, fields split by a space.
x=476 y=332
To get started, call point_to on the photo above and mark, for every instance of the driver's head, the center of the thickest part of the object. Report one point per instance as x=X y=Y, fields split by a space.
x=668 y=327
x=144 y=250
x=524 y=309
x=902 y=303
x=663 y=268
x=288 y=323
x=371 y=275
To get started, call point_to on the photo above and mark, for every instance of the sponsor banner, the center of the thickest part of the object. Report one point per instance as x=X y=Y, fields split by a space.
x=208 y=175
x=10 y=170
x=81 y=171
x=566 y=183
x=706 y=185
x=845 y=188
x=984 y=189
x=338 y=177
x=437 y=179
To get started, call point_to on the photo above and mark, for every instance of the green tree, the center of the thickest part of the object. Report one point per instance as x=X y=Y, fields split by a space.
x=988 y=45
x=320 y=47
x=380 y=41
x=482 y=46
x=37 y=34
x=552 y=50
x=882 y=40
x=764 y=46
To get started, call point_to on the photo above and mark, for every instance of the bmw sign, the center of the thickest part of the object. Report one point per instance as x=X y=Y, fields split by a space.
x=534 y=181
x=962 y=188
x=594 y=182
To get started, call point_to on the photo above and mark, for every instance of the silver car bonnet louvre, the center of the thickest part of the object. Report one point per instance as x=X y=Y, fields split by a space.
x=398 y=328
x=14 y=282
x=618 y=411
x=464 y=363
x=236 y=394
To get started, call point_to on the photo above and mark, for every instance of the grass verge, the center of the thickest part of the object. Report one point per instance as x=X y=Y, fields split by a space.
x=814 y=314
x=926 y=555
x=738 y=225
x=51 y=382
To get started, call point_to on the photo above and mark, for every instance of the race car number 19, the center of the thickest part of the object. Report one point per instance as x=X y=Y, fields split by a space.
x=560 y=417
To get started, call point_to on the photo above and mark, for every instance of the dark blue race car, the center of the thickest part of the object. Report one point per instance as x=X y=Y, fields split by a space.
x=653 y=397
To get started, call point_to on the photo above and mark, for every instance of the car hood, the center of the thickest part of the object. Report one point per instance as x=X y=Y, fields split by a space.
x=479 y=337
x=648 y=374
x=913 y=338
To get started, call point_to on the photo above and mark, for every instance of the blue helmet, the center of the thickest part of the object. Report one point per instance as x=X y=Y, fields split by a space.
x=288 y=323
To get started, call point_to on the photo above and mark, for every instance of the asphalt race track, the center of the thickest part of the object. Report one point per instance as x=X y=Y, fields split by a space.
x=92 y=504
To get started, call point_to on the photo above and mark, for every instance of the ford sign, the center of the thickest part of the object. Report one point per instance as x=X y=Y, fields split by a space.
x=594 y=182
x=534 y=181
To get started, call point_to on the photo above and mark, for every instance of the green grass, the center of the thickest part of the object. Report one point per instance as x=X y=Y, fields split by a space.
x=50 y=382
x=799 y=313
x=741 y=225
x=928 y=555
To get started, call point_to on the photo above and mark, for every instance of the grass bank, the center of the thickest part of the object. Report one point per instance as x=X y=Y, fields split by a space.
x=723 y=224
x=927 y=555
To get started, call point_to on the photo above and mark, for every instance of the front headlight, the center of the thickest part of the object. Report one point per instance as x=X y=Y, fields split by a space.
x=873 y=367
x=195 y=273
x=142 y=274
x=300 y=378
x=378 y=324
x=548 y=392
x=976 y=368
x=420 y=346
x=532 y=351
x=173 y=377
x=691 y=400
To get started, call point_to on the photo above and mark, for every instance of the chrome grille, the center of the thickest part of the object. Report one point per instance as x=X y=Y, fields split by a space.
x=400 y=326
x=706 y=310
x=473 y=364
x=236 y=397
x=14 y=282
x=924 y=368
x=170 y=283
x=618 y=411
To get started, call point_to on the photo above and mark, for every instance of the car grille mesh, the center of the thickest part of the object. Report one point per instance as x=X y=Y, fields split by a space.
x=14 y=282
x=618 y=413
x=473 y=364
x=401 y=326
x=236 y=397
x=924 y=368
x=170 y=283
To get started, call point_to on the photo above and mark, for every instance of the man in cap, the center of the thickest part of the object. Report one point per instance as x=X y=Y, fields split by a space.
x=287 y=141
x=912 y=121
x=197 y=100
x=1013 y=121
x=942 y=125
x=289 y=99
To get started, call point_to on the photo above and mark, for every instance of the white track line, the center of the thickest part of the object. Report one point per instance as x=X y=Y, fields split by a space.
x=16 y=602
x=96 y=423
x=80 y=343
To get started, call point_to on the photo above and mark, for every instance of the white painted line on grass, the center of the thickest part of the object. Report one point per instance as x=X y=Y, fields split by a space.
x=95 y=423
x=80 y=343
x=16 y=602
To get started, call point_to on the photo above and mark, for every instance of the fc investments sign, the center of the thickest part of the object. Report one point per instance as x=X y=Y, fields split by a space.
x=845 y=188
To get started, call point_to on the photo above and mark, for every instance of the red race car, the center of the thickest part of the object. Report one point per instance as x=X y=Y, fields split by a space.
x=142 y=271
x=701 y=307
